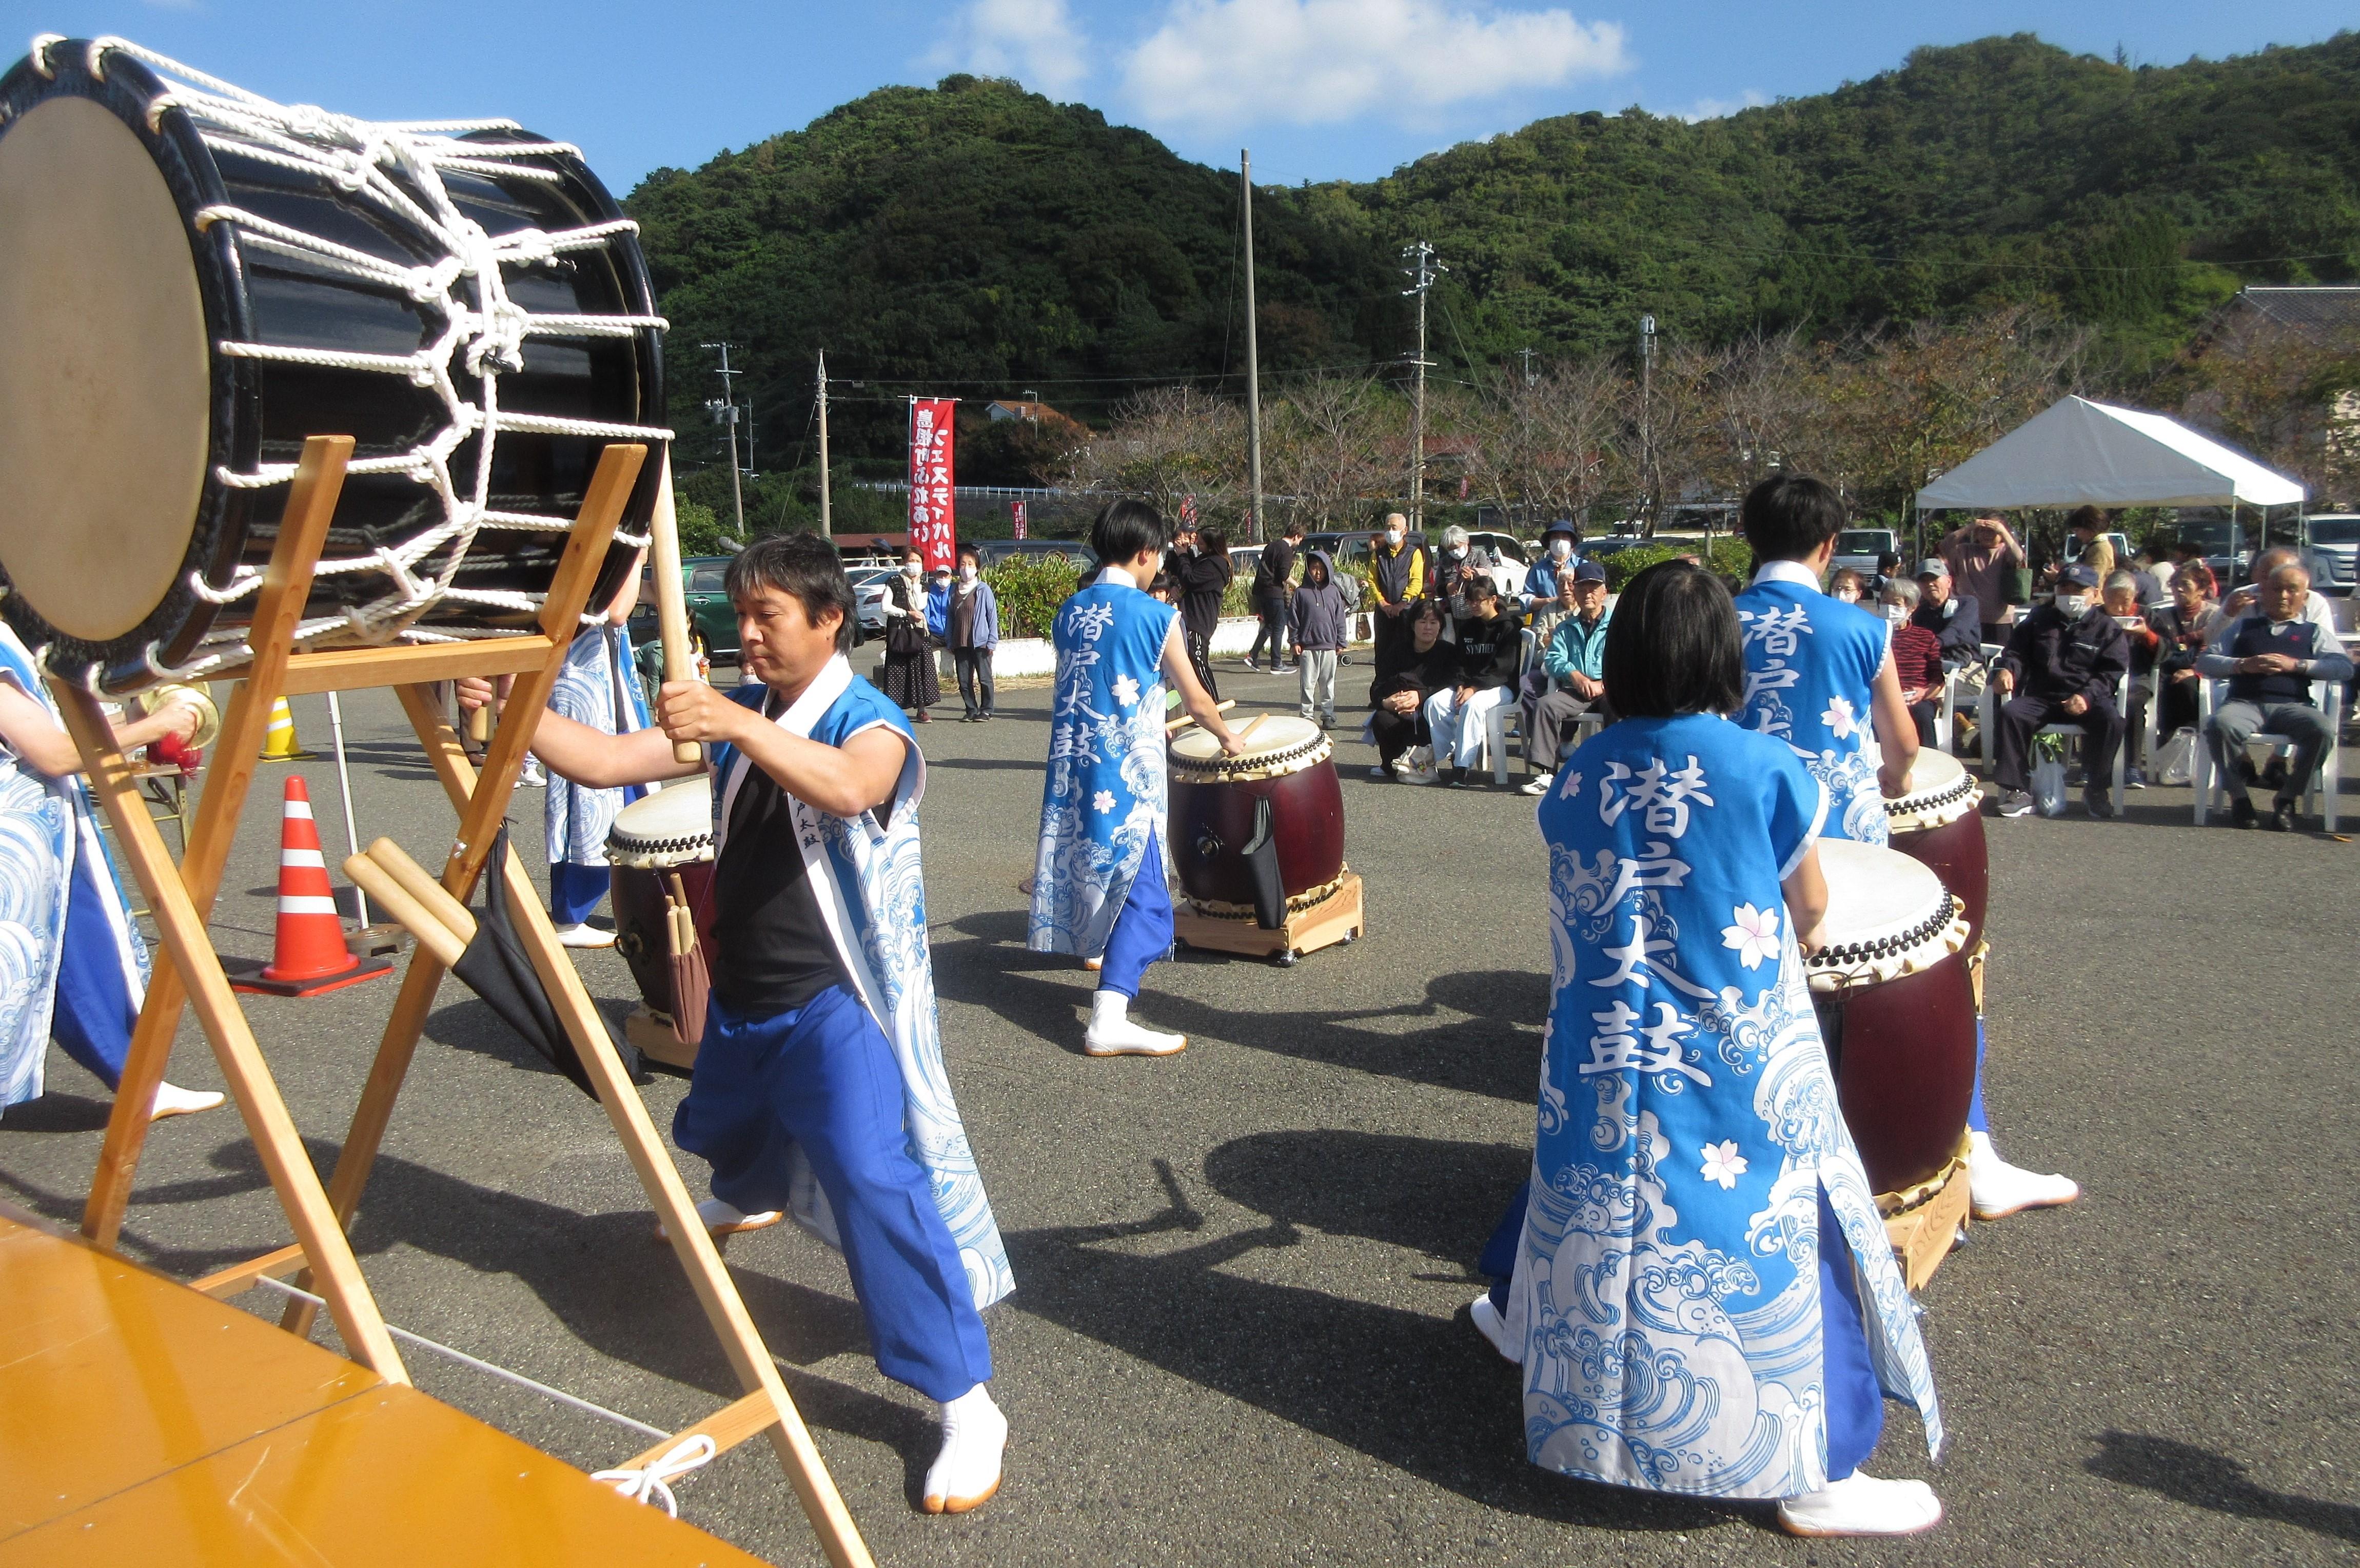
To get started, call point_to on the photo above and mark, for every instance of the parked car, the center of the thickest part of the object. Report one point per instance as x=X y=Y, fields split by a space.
x=990 y=553
x=868 y=599
x=1860 y=548
x=2332 y=552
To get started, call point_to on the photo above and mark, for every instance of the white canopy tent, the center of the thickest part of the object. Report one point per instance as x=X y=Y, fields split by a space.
x=2084 y=454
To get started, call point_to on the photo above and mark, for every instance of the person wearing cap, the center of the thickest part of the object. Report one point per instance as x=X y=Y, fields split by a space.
x=1955 y=620
x=1576 y=666
x=2060 y=667
x=1559 y=542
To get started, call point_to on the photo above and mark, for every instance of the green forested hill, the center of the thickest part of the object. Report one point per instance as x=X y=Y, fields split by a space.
x=979 y=239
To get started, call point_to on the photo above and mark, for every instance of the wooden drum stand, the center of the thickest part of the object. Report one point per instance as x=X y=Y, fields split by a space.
x=188 y=970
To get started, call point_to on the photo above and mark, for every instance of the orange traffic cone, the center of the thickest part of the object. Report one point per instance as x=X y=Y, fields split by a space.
x=309 y=955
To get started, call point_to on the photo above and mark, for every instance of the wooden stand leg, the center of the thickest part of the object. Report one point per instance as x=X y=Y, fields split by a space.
x=286 y=585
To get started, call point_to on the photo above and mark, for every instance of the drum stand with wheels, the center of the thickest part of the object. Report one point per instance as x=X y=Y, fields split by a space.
x=188 y=971
x=1339 y=918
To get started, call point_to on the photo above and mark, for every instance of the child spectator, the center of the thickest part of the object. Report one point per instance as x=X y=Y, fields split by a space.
x=1316 y=624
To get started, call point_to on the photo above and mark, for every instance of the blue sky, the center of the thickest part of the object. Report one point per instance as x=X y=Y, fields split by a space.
x=1318 y=89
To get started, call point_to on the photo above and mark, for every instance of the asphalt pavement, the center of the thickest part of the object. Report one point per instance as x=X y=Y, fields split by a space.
x=1239 y=1331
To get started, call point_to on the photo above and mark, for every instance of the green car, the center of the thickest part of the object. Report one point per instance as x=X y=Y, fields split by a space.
x=710 y=617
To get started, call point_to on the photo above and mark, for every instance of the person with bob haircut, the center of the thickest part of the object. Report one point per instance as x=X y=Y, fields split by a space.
x=1819 y=673
x=819 y=1085
x=1097 y=882
x=1693 y=1184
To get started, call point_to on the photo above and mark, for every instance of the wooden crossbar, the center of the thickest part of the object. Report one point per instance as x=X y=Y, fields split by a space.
x=189 y=972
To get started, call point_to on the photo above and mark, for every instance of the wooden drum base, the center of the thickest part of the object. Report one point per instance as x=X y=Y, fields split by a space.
x=1339 y=918
x=1923 y=1224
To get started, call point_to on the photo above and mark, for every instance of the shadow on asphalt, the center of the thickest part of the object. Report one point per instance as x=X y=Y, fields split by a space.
x=2214 y=1481
x=1422 y=1394
x=1350 y=1184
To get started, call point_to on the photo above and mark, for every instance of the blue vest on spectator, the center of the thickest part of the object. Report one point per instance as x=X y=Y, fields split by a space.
x=1809 y=662
x=2255 y=634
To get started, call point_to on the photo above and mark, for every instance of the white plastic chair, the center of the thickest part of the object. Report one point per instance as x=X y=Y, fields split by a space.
x=1987 y=714
x=1495 y=723
x=2326 y=782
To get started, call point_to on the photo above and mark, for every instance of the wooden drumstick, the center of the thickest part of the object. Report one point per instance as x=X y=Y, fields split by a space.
x=1252 y=725
x=479 y=725
x=421 y=922
x=390 y=858
x=672 y=599
x=1184 y=720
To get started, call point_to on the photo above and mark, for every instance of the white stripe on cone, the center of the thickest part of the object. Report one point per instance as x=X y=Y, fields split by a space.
x=303 y=858
x=302 y=809
x=304 y=903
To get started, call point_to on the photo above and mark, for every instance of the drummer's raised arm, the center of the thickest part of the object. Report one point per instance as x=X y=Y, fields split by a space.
x=1195 y=701
x=592 y=757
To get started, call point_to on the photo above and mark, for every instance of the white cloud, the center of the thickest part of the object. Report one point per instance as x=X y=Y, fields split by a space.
x=1034 y=41
x=1228 y=62
x=1721 y=108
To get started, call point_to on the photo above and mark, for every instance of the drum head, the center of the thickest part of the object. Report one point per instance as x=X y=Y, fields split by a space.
x=669 y=828
x=1887 y=916
x=105 y=430
x=1939 y=792
x=1280 y=743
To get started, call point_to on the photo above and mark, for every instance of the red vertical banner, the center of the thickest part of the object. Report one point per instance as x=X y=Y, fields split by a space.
x=934 y=523
x=1016 y=515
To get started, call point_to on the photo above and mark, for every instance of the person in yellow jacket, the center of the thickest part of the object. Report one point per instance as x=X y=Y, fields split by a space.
x=1400 y=572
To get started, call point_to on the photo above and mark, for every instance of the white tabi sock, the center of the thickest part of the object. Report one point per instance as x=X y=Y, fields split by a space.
x=1998 y=1188
x=966 y=1472
x=1112 y=1034
x=1860 y=1504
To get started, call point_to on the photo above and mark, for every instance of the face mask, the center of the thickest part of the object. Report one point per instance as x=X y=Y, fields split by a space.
x=2071 y=608
x=1849 y=595
x=1459 y=551
x=908 y=568
x=967 y=574
x=1394 y=538
x=1896 y=615
x=1560 y=548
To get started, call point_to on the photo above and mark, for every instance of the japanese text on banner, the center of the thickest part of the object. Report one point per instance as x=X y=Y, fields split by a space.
x=934 y=523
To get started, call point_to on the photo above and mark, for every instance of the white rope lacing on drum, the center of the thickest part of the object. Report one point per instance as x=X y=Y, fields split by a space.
x=397 y=169
x=651 y=1482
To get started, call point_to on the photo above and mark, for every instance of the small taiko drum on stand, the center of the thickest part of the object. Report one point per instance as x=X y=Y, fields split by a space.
x=193 y=280
x=1258 y=839
x=1899 y=1016
x=657 y=845
x=1939 y=823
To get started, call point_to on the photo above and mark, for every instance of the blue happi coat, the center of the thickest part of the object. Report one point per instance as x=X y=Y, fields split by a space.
x=866 y=879
x=1667 y=1286
x=1810 y=663
x=1103 y=801
x=47 y=826
x=599 y=687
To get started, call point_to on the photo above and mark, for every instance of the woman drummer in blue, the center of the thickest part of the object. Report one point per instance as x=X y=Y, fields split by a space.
x=1703 y=1299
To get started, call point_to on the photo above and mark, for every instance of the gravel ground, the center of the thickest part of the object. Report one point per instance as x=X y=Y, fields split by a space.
x=1239 y=1331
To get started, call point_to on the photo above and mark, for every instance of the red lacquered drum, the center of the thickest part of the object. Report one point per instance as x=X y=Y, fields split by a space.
x=1286 y=763
x=668 y=834
x=1895 y=1004
x=1940 y=823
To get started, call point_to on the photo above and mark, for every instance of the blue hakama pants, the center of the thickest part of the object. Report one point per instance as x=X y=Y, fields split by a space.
x=1142 y=930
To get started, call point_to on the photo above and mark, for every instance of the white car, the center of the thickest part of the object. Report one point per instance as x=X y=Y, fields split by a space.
x=868 y=584
x=1860 y=548
x=2331 y=552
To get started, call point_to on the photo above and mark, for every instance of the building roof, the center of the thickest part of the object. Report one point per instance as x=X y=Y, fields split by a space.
x=2321 y=310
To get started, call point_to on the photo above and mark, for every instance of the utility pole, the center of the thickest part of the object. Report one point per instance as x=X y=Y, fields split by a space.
x=1421 y=273
x=1647 y=472
x=826 y=523
x=1527 y=354
x=724 y=411
x=1253 y=357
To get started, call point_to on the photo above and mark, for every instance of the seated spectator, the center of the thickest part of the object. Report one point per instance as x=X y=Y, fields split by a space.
x=1573 y=674
x=2060 y=667
x=2183 y=630
x=1408 y=672
x=1847 y=585
x=1888 y=567
x=2242 y=602
x=1917 y=657
x=2156 y=563
x=1559 y=542
x=2121 y=602
x=2270 y=658
x=1459 y=562
x=1165 y=589
x=1316 y=623
x=1549 y=613
x=1490 y=652
x=1955 y=620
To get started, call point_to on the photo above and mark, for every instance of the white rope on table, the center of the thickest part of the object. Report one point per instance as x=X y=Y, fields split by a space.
x=395 y=167
x=649 y=1482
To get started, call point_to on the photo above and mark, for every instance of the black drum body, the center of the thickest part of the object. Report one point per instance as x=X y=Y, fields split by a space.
x=258 y=410
x=639 y=924
x=1213 y=824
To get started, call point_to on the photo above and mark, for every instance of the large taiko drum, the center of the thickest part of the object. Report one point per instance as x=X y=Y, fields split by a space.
x=1940 y=822
x=1278 y=799
x=667 y=834
x=193 y=280
x=1898 y=1013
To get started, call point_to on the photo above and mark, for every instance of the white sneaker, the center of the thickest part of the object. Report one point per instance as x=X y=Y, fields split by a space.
x=1860 y=1504
x=1489 y=1324
x=966 y=1473
x=585 y=936
x=1539 y=784
x=726 y=1220
x=1998 y=1188
x=532 y=776
x=171 y=1100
